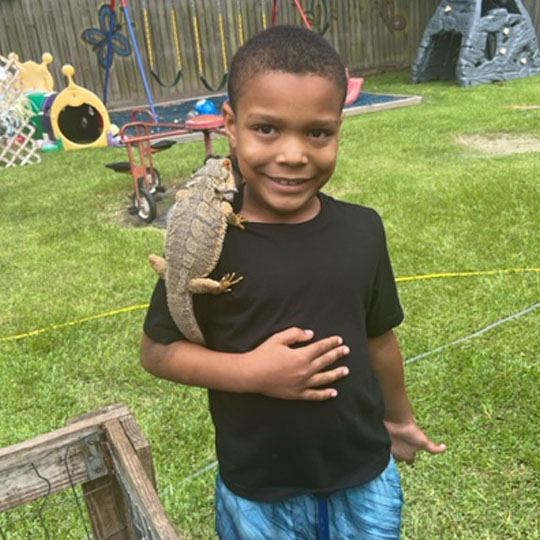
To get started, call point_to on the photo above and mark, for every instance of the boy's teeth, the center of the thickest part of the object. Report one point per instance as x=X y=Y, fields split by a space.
x=287 y=182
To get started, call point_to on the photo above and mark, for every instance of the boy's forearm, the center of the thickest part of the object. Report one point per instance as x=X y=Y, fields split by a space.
x=195 y=365
x=275 y=368
x=387 y=362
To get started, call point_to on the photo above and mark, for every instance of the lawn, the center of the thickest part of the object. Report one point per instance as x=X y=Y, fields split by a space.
x=69 y=253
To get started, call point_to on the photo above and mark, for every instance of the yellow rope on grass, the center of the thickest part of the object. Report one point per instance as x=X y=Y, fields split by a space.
x=398 y=280
x=467 y=274
x=73 y=323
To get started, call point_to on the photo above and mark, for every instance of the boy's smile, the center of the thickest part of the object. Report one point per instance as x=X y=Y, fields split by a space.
x=284 y=134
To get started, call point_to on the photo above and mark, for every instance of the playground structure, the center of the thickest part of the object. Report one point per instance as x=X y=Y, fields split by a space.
x=78 y=117
x=478 y=41
x=116 y=36
x=355 y=84
x=17 y=146
x=73 y=118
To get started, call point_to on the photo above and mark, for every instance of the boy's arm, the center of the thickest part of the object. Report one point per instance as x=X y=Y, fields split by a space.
x=273 y=369
x=407 y=438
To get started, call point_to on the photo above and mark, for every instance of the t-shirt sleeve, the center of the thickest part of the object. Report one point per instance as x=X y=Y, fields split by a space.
x=384 y=310
x=159 y=324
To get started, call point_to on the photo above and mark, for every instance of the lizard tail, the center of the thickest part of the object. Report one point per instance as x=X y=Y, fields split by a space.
x=181 y=309
x=158 y=264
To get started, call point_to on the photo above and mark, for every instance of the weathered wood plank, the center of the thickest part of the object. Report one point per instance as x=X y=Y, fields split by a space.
x=33 y=449
x=46 y=464
x=140 y=445
x=106 y=509
x=42 y=474
x=137 y=483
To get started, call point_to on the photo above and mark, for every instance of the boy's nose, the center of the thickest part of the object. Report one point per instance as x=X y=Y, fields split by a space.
x=292 y=153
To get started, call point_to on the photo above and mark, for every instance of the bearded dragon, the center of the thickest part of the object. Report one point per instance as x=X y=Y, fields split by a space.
x=195 y=232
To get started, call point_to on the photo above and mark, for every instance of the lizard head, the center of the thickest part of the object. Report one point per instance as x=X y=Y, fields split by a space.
x=217 y=173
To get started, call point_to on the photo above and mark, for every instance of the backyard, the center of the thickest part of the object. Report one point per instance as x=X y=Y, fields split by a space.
x=461 y=204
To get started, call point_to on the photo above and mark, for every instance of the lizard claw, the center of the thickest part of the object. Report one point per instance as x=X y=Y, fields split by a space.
x=237 y=220
x=228 y=280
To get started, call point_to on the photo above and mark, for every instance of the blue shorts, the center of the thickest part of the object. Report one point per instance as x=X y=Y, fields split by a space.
x=369 y=512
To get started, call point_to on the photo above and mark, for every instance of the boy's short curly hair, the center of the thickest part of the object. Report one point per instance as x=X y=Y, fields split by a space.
x=286 y=49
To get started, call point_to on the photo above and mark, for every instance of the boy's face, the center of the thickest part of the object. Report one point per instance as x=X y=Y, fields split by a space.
x=284 y=134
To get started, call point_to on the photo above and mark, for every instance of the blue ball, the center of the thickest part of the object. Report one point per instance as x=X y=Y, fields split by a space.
x=205 y=106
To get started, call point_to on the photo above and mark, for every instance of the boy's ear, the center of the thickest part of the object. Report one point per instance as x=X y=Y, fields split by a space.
x=230 y=123
x=341 y=123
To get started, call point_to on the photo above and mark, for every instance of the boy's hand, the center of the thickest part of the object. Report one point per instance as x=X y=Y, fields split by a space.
x=279 y=371
x=408 y=438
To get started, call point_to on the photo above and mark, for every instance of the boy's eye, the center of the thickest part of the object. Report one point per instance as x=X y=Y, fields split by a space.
x=264 y=129
x=319 y=133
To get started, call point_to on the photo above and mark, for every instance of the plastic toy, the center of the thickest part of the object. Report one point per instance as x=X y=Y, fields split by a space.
x=354 y=87
x=78 y=117
x=478 y=41
x=205 y=106
x=35 y=76
x=37 y=84
x=16 y=144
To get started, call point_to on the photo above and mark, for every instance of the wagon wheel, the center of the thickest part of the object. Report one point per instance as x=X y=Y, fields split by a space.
x=146 y=208
x=153 y=180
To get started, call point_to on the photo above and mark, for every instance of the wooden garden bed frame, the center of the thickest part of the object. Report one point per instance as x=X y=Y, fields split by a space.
x=107 y=454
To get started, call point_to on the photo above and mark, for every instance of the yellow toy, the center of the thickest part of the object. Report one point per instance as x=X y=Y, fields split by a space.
x=78 y=117
x=35 y=76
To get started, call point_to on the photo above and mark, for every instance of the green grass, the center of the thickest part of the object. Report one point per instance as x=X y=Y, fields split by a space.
x=66 y=255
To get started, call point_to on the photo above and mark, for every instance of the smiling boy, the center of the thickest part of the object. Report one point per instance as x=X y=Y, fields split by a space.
x=304 y=372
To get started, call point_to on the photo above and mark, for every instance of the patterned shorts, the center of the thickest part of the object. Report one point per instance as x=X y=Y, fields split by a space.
x=369 y=512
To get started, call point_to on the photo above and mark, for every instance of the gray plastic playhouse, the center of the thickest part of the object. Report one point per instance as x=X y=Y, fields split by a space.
x=478 y=41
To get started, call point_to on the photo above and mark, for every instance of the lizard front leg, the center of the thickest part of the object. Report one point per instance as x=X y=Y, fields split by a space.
x=211 y=286
x=236 y=220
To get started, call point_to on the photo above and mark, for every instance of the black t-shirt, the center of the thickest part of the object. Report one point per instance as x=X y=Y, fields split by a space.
x=331 y=274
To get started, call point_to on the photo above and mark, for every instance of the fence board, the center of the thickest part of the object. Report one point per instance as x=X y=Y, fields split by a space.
x=357 y=29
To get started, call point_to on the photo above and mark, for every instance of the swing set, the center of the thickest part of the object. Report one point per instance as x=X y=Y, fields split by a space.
x=354 y=84
x=197 y=34
x=174 y=28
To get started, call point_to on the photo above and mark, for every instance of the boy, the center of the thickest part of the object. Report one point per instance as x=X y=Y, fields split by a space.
x=304 y=372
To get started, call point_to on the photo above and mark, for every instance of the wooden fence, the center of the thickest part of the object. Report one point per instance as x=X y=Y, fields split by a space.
x=371 y=35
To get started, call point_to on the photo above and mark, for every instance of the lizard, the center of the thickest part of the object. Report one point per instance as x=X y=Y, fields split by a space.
x=194 y=239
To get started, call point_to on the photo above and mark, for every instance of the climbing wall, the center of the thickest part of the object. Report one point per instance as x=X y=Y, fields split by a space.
x=16 y=144
x=476 y=42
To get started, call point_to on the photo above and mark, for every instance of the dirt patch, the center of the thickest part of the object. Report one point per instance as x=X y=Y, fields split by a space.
x=500 y=144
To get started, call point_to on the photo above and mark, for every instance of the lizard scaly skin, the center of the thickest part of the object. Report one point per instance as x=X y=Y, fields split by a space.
x=195 y=233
